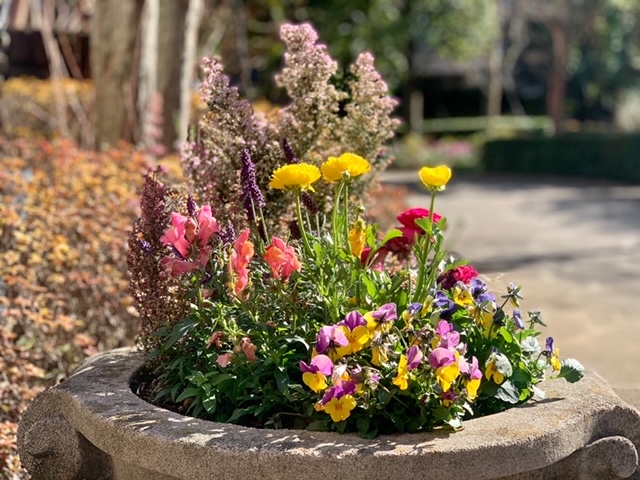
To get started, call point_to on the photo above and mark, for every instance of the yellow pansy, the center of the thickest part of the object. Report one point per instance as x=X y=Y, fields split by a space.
x=315 y=381
x=402 y=380
x=436 y=177
x=462 y=296
x=554 y=360
x=340 y=408
x=472 y=388
x=379 y=354
x=358 y=338
x=298 y=175
x=335 y=168
x=447 y=375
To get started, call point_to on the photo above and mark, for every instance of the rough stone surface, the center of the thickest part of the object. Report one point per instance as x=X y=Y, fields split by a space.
x=582 y=431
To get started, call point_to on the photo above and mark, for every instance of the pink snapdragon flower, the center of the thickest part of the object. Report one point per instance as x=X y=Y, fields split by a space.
x=241 y=255
x=282 y=259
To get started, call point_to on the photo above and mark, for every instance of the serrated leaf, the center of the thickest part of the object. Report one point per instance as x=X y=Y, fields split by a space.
x=508 y=393
x=571 y=370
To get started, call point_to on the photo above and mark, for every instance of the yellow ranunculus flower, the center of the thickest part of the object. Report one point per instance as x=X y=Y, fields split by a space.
x=436 y=177
x=335 y=168
x=298 y=175
x=340 y=408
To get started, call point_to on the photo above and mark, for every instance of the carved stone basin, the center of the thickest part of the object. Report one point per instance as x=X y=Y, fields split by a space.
x=92 y=426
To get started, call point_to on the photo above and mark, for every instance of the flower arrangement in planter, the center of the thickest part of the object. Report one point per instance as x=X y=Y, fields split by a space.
x=273 y=301
x=336 y=329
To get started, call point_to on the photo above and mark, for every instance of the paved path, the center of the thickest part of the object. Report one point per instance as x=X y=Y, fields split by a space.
x=573 y=246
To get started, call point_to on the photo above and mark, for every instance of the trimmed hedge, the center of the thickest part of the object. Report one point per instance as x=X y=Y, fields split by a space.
x=610 y=156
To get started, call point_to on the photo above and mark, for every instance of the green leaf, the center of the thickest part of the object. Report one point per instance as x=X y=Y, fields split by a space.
x=240 y=412
x=508 y=393
x=210 y=404
x=394 y=233
x=317 y=426
x=218 y=379
x=197 y=378
x=182 y=329
x=282 y=380
x=188 y=393
x=363 y=425
x=571 y=370
x=506 y=334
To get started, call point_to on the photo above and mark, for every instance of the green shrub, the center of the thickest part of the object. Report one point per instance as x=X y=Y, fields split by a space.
x=608 y=156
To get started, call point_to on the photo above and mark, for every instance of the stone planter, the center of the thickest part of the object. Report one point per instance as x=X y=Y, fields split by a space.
x=93 y=427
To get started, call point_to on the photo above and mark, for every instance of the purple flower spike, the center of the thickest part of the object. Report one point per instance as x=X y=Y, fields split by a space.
x=386 y=313
x=414 y=357
x=192 y=207
x=353 y=320
x=289 y=154
x=146 y=247
x=250 y=190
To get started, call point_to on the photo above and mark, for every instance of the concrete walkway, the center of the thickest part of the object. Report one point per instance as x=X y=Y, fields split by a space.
x=573 y=246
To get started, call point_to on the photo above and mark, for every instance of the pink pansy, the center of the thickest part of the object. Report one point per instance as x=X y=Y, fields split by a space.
x=329 y=338
x=441 y=357
x=319 y=363
x=177 y=267
x=282 y=259
x=449 y=338
x=414 y=357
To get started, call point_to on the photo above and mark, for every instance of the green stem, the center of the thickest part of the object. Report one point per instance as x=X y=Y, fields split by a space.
x=346 y=213
x=422 y=267
x=303 y=231
x=334 y=217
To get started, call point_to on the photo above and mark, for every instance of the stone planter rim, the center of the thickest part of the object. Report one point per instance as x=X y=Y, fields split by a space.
x=98 y=402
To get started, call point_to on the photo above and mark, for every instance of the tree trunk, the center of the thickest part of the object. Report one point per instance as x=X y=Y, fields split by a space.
x=170 y=52
x=113 y=47
x=557 y=84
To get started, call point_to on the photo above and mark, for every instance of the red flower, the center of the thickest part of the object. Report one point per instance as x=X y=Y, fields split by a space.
x=464 y=274
x=408 y=217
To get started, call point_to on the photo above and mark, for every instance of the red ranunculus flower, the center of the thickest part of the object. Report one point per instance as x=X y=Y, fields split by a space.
x=464 y=274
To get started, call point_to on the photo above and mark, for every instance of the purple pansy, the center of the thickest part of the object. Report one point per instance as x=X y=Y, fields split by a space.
x=414 y=357
x=319 y=363
x=329 y=337
x=386 y=313
x=517 y=317
x=353 y=319
x=441 y=357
